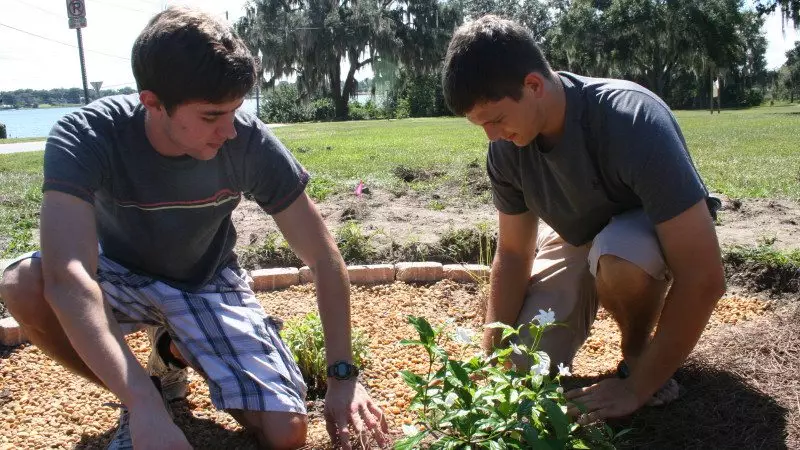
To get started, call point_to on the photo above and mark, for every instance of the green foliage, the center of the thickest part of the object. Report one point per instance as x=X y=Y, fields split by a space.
x=467 y=245
x=311 y=38
x=319 y=188
x=354 y=244
x=367 y=111
x=481 y=404
x=3 y=133
x=273 y=252
x=283 y=105
x=764 y=254
x=403 y=110
x=305 y=339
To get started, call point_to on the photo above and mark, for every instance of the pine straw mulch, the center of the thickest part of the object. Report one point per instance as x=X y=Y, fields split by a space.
x=740 y=386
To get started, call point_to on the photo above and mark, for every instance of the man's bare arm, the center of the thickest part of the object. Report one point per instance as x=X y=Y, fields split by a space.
x=690 y=247
x=69 y=265
x=304 y=230
x=511 y=271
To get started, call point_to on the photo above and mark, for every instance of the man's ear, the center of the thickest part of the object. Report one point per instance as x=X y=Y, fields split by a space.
x=535 y=81
x=151 y=102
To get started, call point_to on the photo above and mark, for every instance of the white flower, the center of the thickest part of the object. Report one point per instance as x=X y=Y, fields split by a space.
x=410 y=430
x=545 y=317
x=450 y=399
x=560 y=390
x=463 y=335
x=563 y=371
x=541 y=368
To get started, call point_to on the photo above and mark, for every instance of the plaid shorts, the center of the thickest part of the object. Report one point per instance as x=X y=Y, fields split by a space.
x=221 y=330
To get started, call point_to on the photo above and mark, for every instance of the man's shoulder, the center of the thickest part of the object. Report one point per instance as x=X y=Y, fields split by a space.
x=112 y=112
x=617 y=95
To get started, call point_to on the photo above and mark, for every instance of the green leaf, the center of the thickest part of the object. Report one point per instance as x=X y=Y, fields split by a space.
x=494 y=445
x=499 y=325
x=411 y=342
x=557 y=417
x=424 y=329
x=459 y=372
x=410 y=442
x=412 y=379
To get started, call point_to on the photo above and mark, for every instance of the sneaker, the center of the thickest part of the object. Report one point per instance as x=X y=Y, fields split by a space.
x=174 y=380
x=122 y=437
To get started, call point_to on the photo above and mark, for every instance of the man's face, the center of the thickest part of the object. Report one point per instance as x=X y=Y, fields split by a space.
x=507 y=119
x=198 y=128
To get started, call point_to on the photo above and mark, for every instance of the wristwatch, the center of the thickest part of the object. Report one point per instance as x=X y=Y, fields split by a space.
x=342 y=370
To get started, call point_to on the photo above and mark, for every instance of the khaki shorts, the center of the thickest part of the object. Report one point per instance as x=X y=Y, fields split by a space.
x=562 y=278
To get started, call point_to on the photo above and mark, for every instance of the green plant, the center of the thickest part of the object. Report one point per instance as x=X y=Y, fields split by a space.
x=354 y=244
x=319 y=188
x=304 y=338
x=486 y=402
x=436 y=205
x=273 y=252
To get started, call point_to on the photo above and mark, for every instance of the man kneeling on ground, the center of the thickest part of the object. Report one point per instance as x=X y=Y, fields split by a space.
x=626 y=219
x=153 y=178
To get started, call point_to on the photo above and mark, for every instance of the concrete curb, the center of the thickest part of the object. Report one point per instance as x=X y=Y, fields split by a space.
x=10 y=333
x=409 y=272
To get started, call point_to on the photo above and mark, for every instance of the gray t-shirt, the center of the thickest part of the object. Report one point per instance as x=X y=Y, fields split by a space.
x=168 y=218
x=621 y=149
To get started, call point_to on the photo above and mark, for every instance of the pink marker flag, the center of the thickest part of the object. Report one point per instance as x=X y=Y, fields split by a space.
x=359 y=188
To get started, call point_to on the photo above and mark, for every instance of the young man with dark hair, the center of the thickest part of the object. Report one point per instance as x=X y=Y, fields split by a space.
x=136 y=229
x=626 y=221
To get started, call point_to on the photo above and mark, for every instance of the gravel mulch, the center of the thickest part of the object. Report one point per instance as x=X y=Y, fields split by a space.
x=44 y=406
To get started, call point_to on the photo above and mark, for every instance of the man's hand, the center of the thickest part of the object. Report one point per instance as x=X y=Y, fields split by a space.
x=348 y=403
x=155 y=430
x=613 y=397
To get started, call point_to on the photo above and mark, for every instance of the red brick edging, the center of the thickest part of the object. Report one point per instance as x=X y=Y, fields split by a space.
x=271 y=279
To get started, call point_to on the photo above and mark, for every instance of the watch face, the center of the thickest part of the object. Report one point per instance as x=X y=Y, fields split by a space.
x=342 y=370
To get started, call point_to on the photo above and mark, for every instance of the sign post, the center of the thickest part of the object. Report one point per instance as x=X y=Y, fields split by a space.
x=76 y=13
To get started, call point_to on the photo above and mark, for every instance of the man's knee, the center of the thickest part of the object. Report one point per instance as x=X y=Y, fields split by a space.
x=277 y=430
x=618 y=279
x=22 y=292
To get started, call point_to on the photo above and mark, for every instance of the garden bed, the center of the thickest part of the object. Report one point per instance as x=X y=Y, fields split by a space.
x=740 y=384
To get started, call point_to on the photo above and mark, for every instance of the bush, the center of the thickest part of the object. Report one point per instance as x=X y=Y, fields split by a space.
x=304 y=338
x=3 y=134
x=403 y=110
x=323 y=110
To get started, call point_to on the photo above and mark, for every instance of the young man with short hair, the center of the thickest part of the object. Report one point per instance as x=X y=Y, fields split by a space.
x=136 y=229
x=625 y=217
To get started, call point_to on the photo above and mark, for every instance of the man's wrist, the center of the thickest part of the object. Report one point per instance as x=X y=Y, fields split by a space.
x=342 y=370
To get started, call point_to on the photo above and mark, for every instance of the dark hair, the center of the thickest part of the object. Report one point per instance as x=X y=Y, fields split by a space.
x=488 y=60
x=187 y=55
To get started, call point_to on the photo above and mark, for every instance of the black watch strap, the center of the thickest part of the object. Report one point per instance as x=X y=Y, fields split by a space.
x=342 y=370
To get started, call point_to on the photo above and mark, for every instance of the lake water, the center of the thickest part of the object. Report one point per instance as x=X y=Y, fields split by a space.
x=25 y=123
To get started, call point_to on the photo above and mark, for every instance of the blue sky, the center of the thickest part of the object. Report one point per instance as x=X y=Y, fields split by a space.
x=39 y=51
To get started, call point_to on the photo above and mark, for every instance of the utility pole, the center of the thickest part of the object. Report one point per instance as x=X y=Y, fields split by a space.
x=76 y=13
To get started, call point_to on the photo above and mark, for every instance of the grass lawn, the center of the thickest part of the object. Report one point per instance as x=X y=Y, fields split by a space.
x=16 y=140
x=742 y=153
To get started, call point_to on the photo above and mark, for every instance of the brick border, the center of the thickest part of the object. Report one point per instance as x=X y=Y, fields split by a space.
x=274 y=279
x=410 y=272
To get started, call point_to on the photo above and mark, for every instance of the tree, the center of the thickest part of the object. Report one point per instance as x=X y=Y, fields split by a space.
x=790 y=9
x=314 y=39
x=790 y=73
x=651 y=38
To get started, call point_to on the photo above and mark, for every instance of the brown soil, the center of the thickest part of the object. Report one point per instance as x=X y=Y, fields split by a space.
x=43 y=406
x=409 y=218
